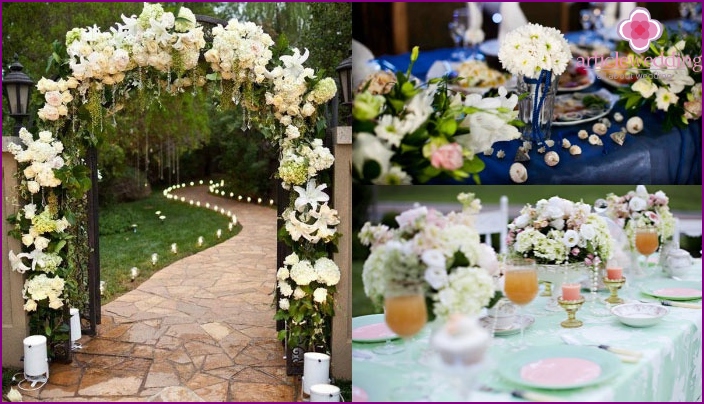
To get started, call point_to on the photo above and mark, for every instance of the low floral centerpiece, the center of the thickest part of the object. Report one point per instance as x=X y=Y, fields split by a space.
x=405 y=132
x=443 y=253
x=640 y=208
x=559 y=231
x=672 y=84
x=538 y=56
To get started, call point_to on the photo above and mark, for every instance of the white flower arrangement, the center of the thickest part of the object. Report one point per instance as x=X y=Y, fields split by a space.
x=641 y=208
x=441 y=252
x=307 y=291
x=42 y=155
x=42 y=287
x=532 y=48
x=559 y=231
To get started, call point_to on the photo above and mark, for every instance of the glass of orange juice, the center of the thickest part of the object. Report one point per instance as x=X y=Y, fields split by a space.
x=405 y=311
x=647 y=242
x=520 y=285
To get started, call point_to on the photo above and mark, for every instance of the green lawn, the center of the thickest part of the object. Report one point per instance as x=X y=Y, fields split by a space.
x=682 y=197
x=121 y=248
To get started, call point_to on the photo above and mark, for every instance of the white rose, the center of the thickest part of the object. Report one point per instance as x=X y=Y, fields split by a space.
x=558 y=224
x=30 y=305
x=587 y=231
x=487 y=260
x=53 y=98
x=521 y=221
x=27 y=239
x=645 y=87
x=56 y=304
x=299 y=293
x=637 y=204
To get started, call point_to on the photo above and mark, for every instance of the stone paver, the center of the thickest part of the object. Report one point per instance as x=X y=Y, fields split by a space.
x=203 y=323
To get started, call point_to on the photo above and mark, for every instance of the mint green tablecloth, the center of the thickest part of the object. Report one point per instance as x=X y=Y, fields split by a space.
x=670 y=369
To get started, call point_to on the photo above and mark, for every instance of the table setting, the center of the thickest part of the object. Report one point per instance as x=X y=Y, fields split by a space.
x=459 y=322
x=589 y=110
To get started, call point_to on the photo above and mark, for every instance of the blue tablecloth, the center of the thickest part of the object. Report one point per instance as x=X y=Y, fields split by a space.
x=654 y=156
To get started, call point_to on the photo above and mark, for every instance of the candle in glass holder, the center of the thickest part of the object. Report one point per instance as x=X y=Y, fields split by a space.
x=155 y=258
x=200 y=241
x=174 y=248
x=614 y=273
x=570 y=291
x=218 y=233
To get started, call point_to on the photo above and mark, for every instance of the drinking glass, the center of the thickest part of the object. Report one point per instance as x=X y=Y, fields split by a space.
x=457 y=28
x=585 y=18
x=520 y=286
x=647 y=242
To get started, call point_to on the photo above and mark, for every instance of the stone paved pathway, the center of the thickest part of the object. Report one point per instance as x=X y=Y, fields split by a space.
x=204 y=322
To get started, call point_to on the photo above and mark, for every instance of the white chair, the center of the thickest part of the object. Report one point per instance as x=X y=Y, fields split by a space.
x=688 y=227
x=488 y=223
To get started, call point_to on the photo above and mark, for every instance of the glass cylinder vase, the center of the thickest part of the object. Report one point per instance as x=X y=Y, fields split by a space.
x=557 y=274
x=536 y=108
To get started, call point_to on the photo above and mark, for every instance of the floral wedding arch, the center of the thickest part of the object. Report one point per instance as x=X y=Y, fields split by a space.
x=160 y=51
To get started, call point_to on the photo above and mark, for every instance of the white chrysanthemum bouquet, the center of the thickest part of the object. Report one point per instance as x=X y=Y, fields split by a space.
x=532 y=48
x=441 y=252
x=559 y=231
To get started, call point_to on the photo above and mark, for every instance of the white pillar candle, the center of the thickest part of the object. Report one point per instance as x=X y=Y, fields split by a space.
x=324 y=393
x=75 y=325
x=316 y=370
x=35 y=359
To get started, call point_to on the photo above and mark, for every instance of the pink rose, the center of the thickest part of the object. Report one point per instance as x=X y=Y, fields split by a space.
x=447 y=157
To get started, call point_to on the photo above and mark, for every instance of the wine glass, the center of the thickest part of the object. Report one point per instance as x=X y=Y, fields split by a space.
x=457 y=28
x=405 y=313
x=585 y=18
x=647 y=242
x=520 y=286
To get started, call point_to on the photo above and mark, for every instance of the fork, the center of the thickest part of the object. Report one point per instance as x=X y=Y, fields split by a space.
x=524 y=394
x=675 y=304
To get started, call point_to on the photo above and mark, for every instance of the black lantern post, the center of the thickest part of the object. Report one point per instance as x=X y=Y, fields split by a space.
x=344 y=73
x=17 y=86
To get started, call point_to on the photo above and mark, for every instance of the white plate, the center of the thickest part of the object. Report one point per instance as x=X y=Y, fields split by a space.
x=590 y=75
x=579 y=116
x=442 y=67
x=523 y=320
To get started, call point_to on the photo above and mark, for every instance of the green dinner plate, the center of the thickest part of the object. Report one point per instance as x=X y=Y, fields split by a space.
x=651 y=288
x=371 y=319
x=512 y=364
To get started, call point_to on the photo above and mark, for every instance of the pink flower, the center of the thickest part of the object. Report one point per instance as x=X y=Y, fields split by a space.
x=639 y=30
x=653 y=217
x=575 y=251
x=447 y=157
x=693 y=109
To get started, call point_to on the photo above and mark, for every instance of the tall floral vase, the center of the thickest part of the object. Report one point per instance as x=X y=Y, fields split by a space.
x=535 y=109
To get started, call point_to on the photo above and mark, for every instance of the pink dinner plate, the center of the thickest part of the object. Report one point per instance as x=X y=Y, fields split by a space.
x=371 y=328
x=673 y=290
x=560 y=367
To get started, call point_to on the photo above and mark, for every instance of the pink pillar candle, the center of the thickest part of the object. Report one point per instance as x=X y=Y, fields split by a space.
x=614 y=274
x=570 y=291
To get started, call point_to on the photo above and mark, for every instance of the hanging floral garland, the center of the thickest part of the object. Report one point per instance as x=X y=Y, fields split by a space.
x=161 y=51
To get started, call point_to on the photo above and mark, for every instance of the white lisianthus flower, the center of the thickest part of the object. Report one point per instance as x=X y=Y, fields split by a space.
x=570 y=239
x=434 y=258
x=320 y=295
x=30 y=305
x=436 y=276
x=284 y=304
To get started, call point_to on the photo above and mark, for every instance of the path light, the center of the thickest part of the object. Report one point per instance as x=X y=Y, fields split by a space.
x=198 y=204
x=36 y=363
x=222 y=211
x=183 y=199
x=229 y=213
x=134 y=228
x=103 y=285
x=200 y=241
x=134 y=273
x=155 y=258
x=75 y=329
x=190 y=202
x=207 y=205
x=271 y=202
x=218 y=233
x=230 y=226
x=239 y=197
x=249 y=199
x=174 y=248
x=222 y=193
x=200 y=182
x=215 y=208
x=234 y=220
x=232 y=194
x=17 y=87
x=158 y=212
x=191 y=183
x=162 y=218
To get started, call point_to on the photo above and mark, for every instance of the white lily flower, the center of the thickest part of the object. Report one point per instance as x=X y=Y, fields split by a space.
x=311 y=195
